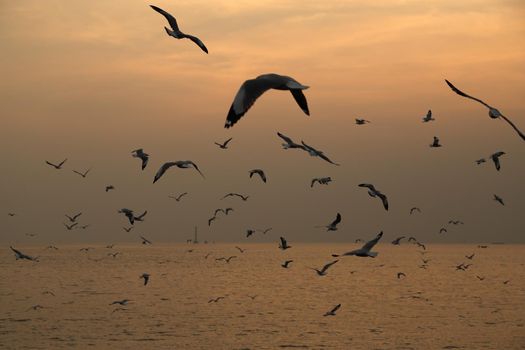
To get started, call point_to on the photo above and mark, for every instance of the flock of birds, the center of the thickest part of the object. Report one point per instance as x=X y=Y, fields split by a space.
x=246 y=96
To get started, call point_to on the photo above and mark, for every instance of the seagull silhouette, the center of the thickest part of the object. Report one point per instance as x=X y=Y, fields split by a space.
x=84 y=174
x=284 y=245
x=321 y=181
x=74 y=218
x=22 y=256
x=400 y=274
x=322 y=271
x=70 y=227
x=415 y=209
x=333 y=225
x=59 y=166
x=499 y=199
x=286 y=263
x=376 y=193
x=361 y=121
x=428 y=117
x=144 y=157
x=435 y=143
x=145 y=241
x=289 y=143
x=224 y=145
x=179 y=197
x=110 y=187
x=258 y=172
x=316 y=153
x=244 y=198
x=145 y=276
x=333 y=311
x=397 y=240
x=495 y=159
x=182 y=164
x=364 y=251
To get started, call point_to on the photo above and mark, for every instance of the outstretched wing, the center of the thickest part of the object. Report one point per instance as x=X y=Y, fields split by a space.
x=384 y=200
x=461 y=93
x=370 y=244
x=327 y=266
x=337 y=220
x=300 y=99
x=171 y=20
x=285 y=138
x=197 y=41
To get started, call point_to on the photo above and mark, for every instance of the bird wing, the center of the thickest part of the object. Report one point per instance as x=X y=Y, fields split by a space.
x=56 y=166
x=79 y=173
x=335 y=308
x=227 y=141
x=62 y=163
x=461 y=93
x=283 y=241
x=327 y=266
x=300 y=99
x=197 y=41
x=383 y=199
x=196 y=168
x=496 y=163
x=145 y=159
x=369 y=186
x=514 y=127
x=370 y=244
x=76 y=216
x=162 y=170
x=171 y=20
x=285 y=138
x=337 y=220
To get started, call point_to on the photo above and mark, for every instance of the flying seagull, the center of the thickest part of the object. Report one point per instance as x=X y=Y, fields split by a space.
x=59 y=166
x=179 y=197
x=258 y=172
x=244 y=198
x=397 y=240
x=400 y=274
x=252 y=89
x=74 y=218
x=365 y=251
x=415 y=209
x=316 y=153
x=332 y=312
x=435 y=143
x=443 y=230
x=333 y=225
x=182 y=164
x=110 y=187
x=375 y=193
x=495 y=159
x=139 y=153
x=145 y=276
x=224 y=145
x=215 y=300
x=266 y=230
x=286 y=263
x=131 y=216
x=122 y=302
x=240 y=249
x=70 y=227
x=428 y=117
x=127 y=229
x=289 y=143
x=361 y=121
x=481 y=160
x=456 y=222
x=498 y=199
x=493 y=112
x=175 y=31
x=84 y=174
x=145 y=241
x=210 y=220
x=321 y=181
x=249 y=232
x=471 y=256
x=284 y=245
x=322 y=272
x=20 y=255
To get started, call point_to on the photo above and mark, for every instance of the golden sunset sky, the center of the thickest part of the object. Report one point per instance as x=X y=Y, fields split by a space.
x=93 y=80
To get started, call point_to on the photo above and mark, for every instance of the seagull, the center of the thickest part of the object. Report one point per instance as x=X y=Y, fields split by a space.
x=110 y=187
x=74 y=218
x=229 y=258
x=145 y=241
x=122 y=302
x=481 y=160
x=258 y=172
x=131 y=216
x=315 y=153
x=332 y=312
x=114 y=255
x=322 y=272
x=59 y=166
x=175 y=31
x=400 y=274
x=495 y=159
x=397 y=240
x=333 y=225
x=22 y=256
x=227 y=210
x=415 y=209
x=435 y=143
x=182 y=164
x=375 y=193
x=85 y=249
x=83 y=227
x=252 y=89
x=286 y=263
x=224 y=145
x=470 y=257
x=493 y=112
x=428 y=117
x=139 y=153
x=215 y=300
x=266 y=230
x=70 y=227
x=506 y=282
x=11 y=214
x=443 y=230
x=244 y=198
x=365 y=251
x=480 y=278
x=145 y=276
x=421 y=245
x=217 y=211
x=178 y=198
x=361 y=121
x=210 y=220
x=289 y=143
x=48 y=292
x=498 y=199
x=36 y=307
x=456 y=222
x=249 y=232
x=321 y=181
x=84 y=174
x=284 y=245
x=240 y=249
x=127 y=229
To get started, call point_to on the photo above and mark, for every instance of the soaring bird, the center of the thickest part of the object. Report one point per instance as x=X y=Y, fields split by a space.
x=428 y=117
x=481 y=160
x=471 y=256
x=332 y=312
x=421 y=245
x=83 y=227
x=84 y=174
x=415 y=209
x=321 y=181
x=495 y=159
x=131 y=216
x=316 y=153
x=228 y=259
x=145 y=241
x=258 y=172
x=110 y=187
x=322 y=272
x=494 y=113
x=289 y=143
x=397 y=240
x=284 y=245
x=375 y=193
x=145 y=276
x=139 y=153
x=175 y=31
x=244 y=198
x=435 y=143
x=210 y=220
x=401 y=274
x=498 y=199
x=252 y=89
x=122 y=302
x=74 y=218
x=127 y=229
x=365 y=251
x=224 y=145
x=333 y=225
x=20 y=255
x=59 y=166
x=182 y=164
x=179 y=197
x=240 y=249
x=215 y=300
x=70 y=227
x=266 y=230
x=286 y=263
x=249 y=232
x=361 y=121
x=443 y=230
x=456 y=222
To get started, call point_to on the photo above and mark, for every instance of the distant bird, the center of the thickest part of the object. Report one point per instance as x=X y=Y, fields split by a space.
x=228 y=259
x=175 y=31
x=495 y=159
x=48 y=292
x=470 y=257
x=506 y=282
x=215 y=300
x=316 y=153
x=240 y=249
x=36 y=307
x=480 y=278
x=122 y=302
x=361 y=121
x=252 y=89
x=110 y=246
x=333 y=225
x=493 y=112
x=182 y=164
x=443 y=230
x=258 y=172
x=59 y=166
x=70 y=227
x=435 y=143
x=22 y=256
x=421 y=245
x=397 y=240
x=412 y=239
x=358 y=240
x=227 y=210
x=31 y=234
x=110 y=187
x=249 y=232
x=131 y=216
x=481 y=160
x=365 y=251
x=114 y=255
x=210 y=220
x=375 y=193
x=323 y=270
x=244 y=198
x=284 y=245
x=456 y=222
x=139 y=153
x=84 y=174
x=127 y=229
x=498 y=199
x=11 y=214
x=179 y=197
x=400 y=274
x=87 y=249
x=145 y=276
x=428 y=117
x=286 y=263
x=333 y=311
x=266 y=230
x=74 y=218
x=83 y=227
x=145 y=241
x=219 y=210
x=252 y=297
x=415 y=209
x=51 y=247
x=289 y=143
x=321 y=181
x=483 y=246
x=224 y=145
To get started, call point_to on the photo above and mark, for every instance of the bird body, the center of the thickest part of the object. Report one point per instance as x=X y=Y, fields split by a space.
x=57 y=167
x=182 y=164
x=321 y=181
x=284 y=245
x=145 y=276
x=428 y=117
x=373 y=192
x=144 y=157
x=435 y=143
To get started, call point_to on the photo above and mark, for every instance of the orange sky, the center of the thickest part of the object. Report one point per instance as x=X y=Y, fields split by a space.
x=93 y=80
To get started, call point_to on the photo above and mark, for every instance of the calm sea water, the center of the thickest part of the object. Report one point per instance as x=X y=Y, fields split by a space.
x=265 y=306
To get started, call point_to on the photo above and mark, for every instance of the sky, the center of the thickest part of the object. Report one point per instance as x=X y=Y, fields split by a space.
x=93 y=80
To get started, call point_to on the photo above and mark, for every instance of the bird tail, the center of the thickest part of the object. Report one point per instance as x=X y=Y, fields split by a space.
x=372 y=254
